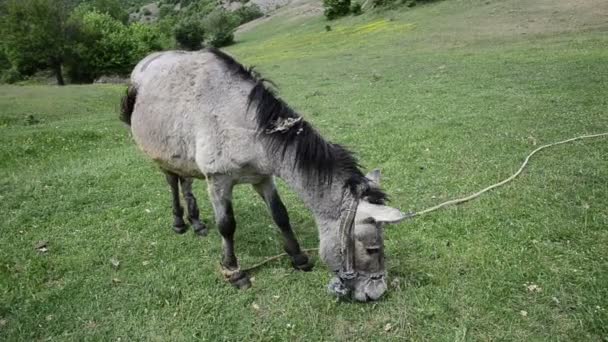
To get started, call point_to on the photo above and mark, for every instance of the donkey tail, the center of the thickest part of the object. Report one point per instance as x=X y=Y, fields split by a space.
x=127 y=105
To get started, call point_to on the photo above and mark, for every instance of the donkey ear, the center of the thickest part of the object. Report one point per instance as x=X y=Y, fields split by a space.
x=378 y=212
x=374 y=176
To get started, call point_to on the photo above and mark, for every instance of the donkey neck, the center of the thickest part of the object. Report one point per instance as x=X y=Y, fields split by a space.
x=325 y=202
x=323 y=199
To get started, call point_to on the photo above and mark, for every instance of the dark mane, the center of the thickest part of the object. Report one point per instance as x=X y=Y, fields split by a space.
x=283 y=128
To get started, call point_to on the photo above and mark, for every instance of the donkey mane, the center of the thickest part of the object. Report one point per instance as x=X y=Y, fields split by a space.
x=283 y=128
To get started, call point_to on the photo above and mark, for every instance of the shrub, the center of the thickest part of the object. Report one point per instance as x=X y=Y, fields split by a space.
x=248 y=13
x=189 y=34
x=165 y=10
x=103 y=45
x=10 y=76
x=144 y=39
x=335 y=8
x=355 y=9
x=112 y=7
x=219 y=26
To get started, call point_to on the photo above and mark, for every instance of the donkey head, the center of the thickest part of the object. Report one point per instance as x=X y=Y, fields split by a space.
x=369 y=282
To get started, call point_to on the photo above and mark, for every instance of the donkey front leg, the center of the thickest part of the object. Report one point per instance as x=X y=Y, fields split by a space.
x=220 y=193
x=179 y=226
x=268 y=191
x=193 y=213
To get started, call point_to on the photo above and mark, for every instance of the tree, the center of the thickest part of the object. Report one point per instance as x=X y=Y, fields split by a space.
x=219 y=26
x=335 y=8
x=35 y=35
x=111 y=7
x=105 y=46
x=189 y=34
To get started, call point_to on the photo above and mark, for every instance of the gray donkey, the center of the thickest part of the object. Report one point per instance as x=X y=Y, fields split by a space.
x=203 y=115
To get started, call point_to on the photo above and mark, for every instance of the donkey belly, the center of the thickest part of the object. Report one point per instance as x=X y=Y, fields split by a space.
x=196 y=150
x=167 y=143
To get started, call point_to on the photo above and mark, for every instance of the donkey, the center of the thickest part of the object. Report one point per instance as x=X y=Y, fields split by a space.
x=203 y=115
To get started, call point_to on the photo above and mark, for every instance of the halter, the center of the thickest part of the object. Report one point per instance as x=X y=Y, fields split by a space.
x=347 y=242
x=347 y=272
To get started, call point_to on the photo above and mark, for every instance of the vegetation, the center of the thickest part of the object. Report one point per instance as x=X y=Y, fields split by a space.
x=86 y=39
x=189 y=34
x=336 y=8
x=445 y=99
x=248 y=13
x=89 y=39
x=36 y=35
x=219 y=26
x=105 y=46
x=113 y=8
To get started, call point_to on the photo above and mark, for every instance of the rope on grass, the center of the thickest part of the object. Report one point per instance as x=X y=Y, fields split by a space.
x=513 y=176
x=458 y=200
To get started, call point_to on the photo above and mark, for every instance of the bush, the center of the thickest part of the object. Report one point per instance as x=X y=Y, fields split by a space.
x=165 y=10
x=189 y=34
x=335 y=8
x=219 y=26
x=103 y=45
x=10 y=76
x=248 y=13
x=144 y=40
x=355 y=9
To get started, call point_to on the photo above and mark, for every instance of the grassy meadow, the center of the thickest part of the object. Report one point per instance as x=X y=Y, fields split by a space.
x=444 y=98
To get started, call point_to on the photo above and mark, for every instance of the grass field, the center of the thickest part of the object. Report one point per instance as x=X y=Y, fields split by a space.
x=445 y=98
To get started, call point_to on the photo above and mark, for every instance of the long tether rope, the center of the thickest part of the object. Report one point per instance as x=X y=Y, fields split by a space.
x=458 y=200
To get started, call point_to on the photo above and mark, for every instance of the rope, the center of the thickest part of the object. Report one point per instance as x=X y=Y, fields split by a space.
x=513 y=176
x=273 y=258
x=458 y=200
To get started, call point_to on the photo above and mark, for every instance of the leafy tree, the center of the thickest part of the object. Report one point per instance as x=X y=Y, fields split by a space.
x=335 y=8
x=100 y=46
x=165 y=10
x=189 y=34
x=114 y=8
x=103 y=45
x=35 y=35
x=144 y=39
x=219 y=26
x=248 y=13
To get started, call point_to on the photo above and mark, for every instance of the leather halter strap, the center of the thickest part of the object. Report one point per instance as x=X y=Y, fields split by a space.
x=347 y=240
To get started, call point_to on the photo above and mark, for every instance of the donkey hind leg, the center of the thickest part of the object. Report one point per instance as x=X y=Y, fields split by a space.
x=193 y=213
x=179 y=226
x=277 y=209
x=220 y=193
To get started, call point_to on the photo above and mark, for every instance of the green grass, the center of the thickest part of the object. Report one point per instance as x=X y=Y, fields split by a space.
x=443 y=108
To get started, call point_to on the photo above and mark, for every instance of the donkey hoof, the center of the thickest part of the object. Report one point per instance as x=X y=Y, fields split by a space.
x=302 y=263
x=200 y=229
x=180 y=229
x=202 y=232
x=240 y=280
